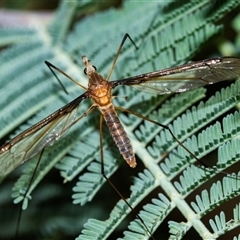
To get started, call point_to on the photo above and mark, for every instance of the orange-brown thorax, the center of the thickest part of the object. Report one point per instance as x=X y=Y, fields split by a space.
x=99 y=89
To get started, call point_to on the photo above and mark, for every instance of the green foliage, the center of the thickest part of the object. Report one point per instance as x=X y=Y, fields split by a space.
x=167 y=34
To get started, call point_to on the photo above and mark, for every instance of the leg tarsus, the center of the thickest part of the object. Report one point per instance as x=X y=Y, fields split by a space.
x=118 y=52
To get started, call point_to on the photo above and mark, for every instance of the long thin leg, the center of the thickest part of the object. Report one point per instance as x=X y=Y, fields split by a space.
x=108 y=180
x=123 y=41
x=118 y=52
x=82 y=116
x=25 y=194
x=170 y=131
x=50 y=66
x=37 y=165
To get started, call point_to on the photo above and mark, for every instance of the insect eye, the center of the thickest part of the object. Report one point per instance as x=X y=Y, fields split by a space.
x=85 y=69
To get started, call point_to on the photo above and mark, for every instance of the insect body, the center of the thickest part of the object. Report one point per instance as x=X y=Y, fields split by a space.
x=99 y=90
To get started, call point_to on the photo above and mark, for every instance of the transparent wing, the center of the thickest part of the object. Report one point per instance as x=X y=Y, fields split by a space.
x=185 y=77
x=42 y=134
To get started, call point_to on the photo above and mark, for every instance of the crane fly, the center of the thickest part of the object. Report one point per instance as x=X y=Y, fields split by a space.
x=171 y=80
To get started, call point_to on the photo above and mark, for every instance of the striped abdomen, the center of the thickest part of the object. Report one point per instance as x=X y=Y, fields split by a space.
x=119 y=135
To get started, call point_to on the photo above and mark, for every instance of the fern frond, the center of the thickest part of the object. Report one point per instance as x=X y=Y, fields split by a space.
x=102 y=229
x=177 y=230
x=207 y=141
x=218 y=192
x=13 y=36
x=219 y=224
x=90 y=182
x=236 y=238
x=153 y=213
x=197 y=118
